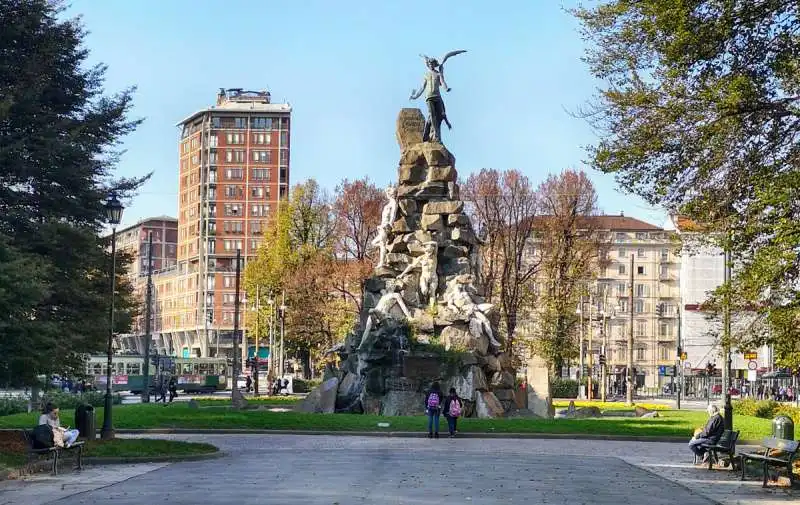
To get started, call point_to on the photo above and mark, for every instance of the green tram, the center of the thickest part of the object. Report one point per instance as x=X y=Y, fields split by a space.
x=194 y=375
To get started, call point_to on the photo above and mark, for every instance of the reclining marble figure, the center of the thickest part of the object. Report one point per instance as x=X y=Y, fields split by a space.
x=389 y=298
x=461 y=300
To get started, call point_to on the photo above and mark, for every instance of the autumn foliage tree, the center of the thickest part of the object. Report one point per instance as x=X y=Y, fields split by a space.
x=569 y=249
x=502 y=206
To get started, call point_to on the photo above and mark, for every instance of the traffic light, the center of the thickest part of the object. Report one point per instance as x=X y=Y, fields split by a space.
x=602 y=360
x=710 y=368
x=660 y=309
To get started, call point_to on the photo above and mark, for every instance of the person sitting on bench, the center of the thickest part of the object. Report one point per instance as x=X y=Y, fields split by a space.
x=66 y=436
x=709 y=435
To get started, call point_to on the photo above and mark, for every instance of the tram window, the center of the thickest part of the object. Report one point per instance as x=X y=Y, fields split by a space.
x=97 y=369
x=134 y=369
x=187 y=368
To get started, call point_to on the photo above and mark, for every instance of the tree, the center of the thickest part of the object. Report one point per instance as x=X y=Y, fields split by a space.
x=358 y=213
x=570 y=251
x=700 y=114
x=504 y=204
x=58 y=134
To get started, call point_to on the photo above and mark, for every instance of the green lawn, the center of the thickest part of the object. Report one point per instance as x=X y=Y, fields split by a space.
x=562 y=404
x=671 y=423
x=272 y=401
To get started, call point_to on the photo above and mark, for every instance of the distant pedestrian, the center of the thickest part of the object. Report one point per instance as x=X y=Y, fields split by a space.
x=249 y=384
x=173 y=388
x=452 y=411
x=162 y=390
x=433 y=402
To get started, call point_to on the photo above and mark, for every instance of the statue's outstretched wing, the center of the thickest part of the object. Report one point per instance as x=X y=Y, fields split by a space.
x=448 y=55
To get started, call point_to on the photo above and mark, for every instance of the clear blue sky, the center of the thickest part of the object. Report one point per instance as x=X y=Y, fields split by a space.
x=347 y=67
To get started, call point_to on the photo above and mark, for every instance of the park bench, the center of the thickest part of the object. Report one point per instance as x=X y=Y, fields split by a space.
x=775 y=452
x=725 y=445
x=52 y=452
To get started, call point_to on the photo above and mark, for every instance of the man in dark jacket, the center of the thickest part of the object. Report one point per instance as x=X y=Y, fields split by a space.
x=710 y=434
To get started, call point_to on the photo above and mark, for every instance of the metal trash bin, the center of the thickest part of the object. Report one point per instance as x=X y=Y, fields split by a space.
x=783 y=427
x=85 y=421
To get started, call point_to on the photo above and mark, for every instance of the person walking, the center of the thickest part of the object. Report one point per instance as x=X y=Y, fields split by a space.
x=173 y=388
x=249 y=384
x=452 y=411
x=433 y=402
x=162 y=390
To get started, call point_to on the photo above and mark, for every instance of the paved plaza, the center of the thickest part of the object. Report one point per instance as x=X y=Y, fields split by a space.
x=311 y=470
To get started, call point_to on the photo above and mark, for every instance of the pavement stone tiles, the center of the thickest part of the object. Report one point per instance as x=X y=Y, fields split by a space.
x=331 y=470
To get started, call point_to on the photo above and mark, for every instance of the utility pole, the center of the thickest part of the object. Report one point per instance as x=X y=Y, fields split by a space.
x=580 y=354
x=147 y=315
x=258 y=315
x=603 y=376
x=236 y=355
x=630 y=378
x=271 y=364
x=679 y=361
x=283 y=321
x=726 y=341
x=590 y=351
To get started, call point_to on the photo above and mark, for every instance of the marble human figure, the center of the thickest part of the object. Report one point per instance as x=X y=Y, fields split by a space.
x=460 y=298
x=390 y=297
x=428 y=278
x=388 y=215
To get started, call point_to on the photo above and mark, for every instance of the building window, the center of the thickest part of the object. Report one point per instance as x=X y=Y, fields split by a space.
x=641 y=235
x=621 y=253
x=664 y=330
x=215 y=122
x=257 y=192
x=639 y=306
x=664 y=254
x=262 y=156
x=623 y=305
x=663 y=353
x=232 y=226
x=212 y=140
x=233 y=209
x=261 y=123
x=255 y=227
x=262 y=138
x=284 y=139
x=233 y=191
x=195 y=159
x=240 y=122
x=621 y=236
x=284 y=156
x=232 y=245
x=259 y=210
x=640 y=353
x=254 y=244
x=234 y=173
x=641 y=328
x=640 y=270
x=641 y=290
x=621 y=269
x=238 y=156
x=284 y=123
x=234 y=138
x=228 y=298
x=228 y=281
x=621 y=289
x=261 y=174
x=641 y=253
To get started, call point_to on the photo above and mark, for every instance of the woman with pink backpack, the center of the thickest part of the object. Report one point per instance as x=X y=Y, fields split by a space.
x=452 y=411
x=433 y=405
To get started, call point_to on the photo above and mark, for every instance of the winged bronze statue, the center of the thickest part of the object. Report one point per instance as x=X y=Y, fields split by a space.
x=432 y=82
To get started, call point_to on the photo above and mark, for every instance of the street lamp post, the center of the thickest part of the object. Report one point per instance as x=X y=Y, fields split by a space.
x=113 y=210
x=283 y=321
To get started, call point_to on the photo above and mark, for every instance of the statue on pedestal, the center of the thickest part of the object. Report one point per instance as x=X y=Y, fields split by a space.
x=428 y=278
x=433 y=80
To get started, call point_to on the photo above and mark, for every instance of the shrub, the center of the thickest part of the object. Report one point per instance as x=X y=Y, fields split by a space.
x=71 y=401
x=13 y=405
x=563 y=388
x=304 y=386
x=766 y=409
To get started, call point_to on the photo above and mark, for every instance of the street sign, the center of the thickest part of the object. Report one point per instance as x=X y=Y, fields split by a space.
x=684 y=355
x=752 y=375
x=687 y=365
x=666 y=371
x=750 y=355
x=752 y=365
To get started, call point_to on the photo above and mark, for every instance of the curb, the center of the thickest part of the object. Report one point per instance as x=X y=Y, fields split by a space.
x=412 y=434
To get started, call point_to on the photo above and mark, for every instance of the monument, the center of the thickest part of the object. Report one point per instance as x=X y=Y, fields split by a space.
x=423 y=316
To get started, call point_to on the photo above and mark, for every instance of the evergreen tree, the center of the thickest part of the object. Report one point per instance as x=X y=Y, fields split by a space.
x=58 y=135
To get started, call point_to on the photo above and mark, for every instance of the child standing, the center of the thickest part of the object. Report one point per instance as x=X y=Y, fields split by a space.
x=452 y=411
x=433 y=401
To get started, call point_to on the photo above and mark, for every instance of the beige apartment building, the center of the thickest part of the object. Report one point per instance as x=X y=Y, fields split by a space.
x=656 y=299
